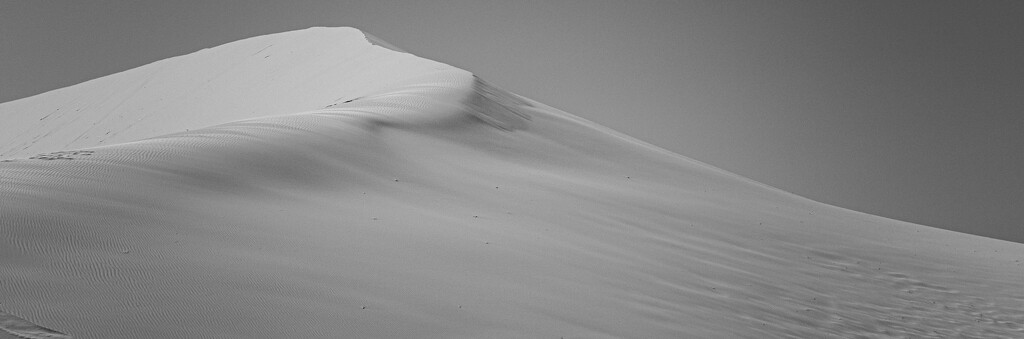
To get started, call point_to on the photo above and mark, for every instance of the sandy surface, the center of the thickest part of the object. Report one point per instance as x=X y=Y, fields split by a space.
x=342 y=189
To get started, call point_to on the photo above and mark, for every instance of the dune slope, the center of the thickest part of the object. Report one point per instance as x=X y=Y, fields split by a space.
x=351 y=190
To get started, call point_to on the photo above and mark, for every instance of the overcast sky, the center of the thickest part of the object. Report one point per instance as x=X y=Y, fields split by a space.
x=908 y=110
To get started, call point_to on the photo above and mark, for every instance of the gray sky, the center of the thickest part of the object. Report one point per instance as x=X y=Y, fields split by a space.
x=908 y=110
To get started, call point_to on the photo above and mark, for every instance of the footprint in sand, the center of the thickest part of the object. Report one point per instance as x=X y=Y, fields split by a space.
x=61 y=155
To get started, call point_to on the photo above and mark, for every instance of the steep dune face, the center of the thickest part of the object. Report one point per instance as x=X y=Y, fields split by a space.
x=416 y=200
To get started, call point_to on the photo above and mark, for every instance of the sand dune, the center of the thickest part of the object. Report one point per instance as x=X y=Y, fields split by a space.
x=353 y=191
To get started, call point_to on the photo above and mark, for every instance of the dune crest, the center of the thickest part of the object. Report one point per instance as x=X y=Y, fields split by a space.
x=256 y=77
x=24 y=329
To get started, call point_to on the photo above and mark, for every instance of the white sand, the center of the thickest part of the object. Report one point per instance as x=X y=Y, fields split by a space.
x=432 y=206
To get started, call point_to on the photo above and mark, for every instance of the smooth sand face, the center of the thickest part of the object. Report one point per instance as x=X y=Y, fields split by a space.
x=411 y=199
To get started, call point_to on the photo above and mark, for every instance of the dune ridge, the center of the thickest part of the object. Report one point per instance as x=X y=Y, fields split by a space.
x=24 y=329
x=261 y=76
x=424 y=202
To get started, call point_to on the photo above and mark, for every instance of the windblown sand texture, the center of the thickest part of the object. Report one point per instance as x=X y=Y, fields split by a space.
x=311 y=184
